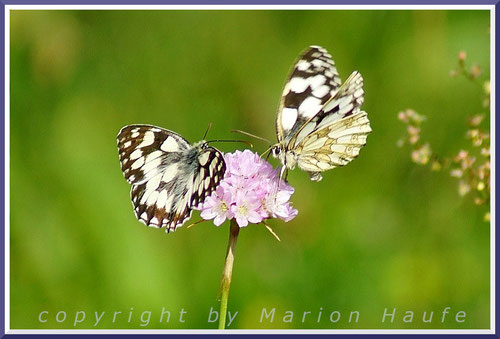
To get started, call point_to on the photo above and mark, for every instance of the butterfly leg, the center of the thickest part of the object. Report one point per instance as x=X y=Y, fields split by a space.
x=315 y=176
x=283 y=175
x=268 y=154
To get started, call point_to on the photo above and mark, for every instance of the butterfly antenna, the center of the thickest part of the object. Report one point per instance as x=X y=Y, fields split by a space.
x=251 y=135
x=208 y=129
x=268 y=152
x=242 y=141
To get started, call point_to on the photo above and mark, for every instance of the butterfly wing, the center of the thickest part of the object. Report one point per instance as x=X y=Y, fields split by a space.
x=333 y=145
x=346 y=101
x=168 y=175
x=146 y=150
x=210 y=172
x=313 y=80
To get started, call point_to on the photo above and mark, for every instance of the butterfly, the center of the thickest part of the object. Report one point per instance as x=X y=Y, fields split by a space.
x=169 y=176
x=320 y=124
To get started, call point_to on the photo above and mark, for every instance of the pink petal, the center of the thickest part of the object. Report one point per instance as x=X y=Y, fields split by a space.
x=208 y=214
x=219 y=220
x=242 y=222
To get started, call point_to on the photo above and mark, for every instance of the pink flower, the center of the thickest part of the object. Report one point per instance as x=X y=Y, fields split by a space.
x=217 y=206
x=250 y=192
x=246 y=208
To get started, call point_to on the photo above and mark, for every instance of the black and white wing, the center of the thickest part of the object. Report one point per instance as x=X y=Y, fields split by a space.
x=168 y=175
x=346 y=101
x=312 y=82
x=323 y=131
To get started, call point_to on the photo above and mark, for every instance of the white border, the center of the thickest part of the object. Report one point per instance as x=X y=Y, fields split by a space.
x=245 y=7
x=145 y=331
x=8 y=8
x=7 y=169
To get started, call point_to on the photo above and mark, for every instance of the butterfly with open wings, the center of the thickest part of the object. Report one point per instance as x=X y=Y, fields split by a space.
x=320 y=124
x=169 y=176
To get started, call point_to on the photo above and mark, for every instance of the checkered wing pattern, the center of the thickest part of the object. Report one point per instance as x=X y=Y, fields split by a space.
x=334 y=145
x=320 y=123
x=314 y=79
x=168 y=175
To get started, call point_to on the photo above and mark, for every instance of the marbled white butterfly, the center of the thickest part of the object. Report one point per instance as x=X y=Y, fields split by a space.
x=168 y=175
x=319 y=123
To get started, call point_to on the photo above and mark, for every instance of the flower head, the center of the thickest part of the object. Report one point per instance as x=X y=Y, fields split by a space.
x=217 y=206
x=250 y=192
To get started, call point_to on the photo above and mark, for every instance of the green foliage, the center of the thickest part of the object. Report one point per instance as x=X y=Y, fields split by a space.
x=378 y=233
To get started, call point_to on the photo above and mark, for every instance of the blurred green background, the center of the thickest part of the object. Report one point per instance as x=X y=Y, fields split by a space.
x=380 y=232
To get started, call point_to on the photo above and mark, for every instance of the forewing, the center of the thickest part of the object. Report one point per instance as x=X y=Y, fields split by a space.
x=313 y=80
x=334 y=145
x=345 y=102
x=146 y=150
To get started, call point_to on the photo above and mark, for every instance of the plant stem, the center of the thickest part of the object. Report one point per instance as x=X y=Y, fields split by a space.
x=225 y=283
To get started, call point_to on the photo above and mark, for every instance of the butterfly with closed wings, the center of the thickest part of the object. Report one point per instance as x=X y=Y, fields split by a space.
x=319 y=124
x=168 y=175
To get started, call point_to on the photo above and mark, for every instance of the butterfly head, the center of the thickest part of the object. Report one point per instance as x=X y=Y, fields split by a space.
x=276 y=151
x=201 y=145
x=287 y=158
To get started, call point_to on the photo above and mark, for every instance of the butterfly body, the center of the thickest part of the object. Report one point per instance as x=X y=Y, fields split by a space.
x=287 y=157
x=320 y=125
x=169 y=176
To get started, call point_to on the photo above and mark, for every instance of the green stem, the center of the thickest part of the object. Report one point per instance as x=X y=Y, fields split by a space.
x=225 y=283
